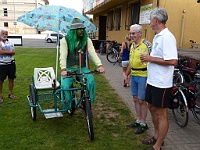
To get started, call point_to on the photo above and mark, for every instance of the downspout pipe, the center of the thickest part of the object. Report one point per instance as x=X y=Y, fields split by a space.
x=158 y=3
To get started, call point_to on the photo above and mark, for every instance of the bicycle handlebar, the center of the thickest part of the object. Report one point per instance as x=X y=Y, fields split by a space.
x=71 y=73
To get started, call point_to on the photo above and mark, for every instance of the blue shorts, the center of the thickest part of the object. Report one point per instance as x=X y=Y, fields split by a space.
x=138 y=87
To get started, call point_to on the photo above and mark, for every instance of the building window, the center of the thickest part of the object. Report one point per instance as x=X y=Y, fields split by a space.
x=132 y=15
x=5 y=12
x=110 y=22
x=5 y=24
x=117 y=19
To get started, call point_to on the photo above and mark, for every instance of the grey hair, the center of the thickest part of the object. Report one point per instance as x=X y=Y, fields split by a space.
x=3 y=29
x=160 y=14
x=137 y=26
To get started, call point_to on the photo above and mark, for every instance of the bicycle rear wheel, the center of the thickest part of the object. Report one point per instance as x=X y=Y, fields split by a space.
x=180 y=113
x=196 y=109
x=187 y=77
x=112 y=57
x=88 y=114
x=178 y=78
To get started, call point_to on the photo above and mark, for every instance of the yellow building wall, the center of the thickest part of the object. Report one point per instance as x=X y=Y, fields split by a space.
x=183 y=21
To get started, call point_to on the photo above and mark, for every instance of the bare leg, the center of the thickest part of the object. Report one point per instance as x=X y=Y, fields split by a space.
x=10 y=85
x=154 y=119
x=163 y=126
x=137 y=107
x=1 y=87
x=143 y=111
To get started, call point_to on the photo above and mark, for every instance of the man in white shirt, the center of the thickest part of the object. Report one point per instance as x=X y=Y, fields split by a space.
x=160 y=68
x=7 y=64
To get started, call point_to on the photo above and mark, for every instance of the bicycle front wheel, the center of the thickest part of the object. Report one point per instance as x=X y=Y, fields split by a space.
x=88 y=114
x=180 y=112
x=112 y=57
x=196 y=109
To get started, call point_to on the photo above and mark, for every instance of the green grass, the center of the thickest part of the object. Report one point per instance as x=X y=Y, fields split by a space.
x=19 y=132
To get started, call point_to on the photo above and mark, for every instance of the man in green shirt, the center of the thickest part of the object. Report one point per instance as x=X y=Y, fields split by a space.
x=75 y=48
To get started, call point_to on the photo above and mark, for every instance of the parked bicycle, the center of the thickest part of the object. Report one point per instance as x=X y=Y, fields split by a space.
x=113 y=56
x=183 y=73
x=184 y=99
x=194 y=44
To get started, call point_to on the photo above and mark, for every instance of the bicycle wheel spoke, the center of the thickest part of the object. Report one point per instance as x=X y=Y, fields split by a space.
x=112 y=57
x=180 y=113
x=196 y=109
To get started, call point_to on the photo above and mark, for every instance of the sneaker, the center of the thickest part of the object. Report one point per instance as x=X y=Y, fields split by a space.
x=133 y=125
x=141 y=129
x=1 y=99
x=11 y=96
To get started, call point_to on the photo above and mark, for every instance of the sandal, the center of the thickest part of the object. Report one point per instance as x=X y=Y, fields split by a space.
x=150 y=141
x=1 y=99
x=11 y=96
x=152 y=148
x=125 y=84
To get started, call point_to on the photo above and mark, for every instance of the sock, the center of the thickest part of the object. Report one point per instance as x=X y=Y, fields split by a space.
x=138 y=121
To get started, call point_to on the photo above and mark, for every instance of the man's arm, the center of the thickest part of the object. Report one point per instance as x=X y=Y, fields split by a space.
x=94 y=57
x=159 y=61
x=93 y=54
x=6 y=52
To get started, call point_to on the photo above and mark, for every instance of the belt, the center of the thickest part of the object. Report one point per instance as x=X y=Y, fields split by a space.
x=141 y=69
x=7 y=63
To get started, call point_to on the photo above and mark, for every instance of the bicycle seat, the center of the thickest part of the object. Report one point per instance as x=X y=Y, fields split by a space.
x=44 y=78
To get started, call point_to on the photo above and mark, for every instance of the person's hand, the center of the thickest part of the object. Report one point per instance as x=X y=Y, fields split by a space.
x=12 y=52
x=101 y=69
x=64 y=74
x=144 y=58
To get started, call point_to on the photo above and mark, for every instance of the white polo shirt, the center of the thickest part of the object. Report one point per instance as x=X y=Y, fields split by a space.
x=6 y=59
x=164 y=46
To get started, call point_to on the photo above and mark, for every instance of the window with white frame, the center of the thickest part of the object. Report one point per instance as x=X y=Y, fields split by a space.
x=5 y=12
x=5 y=24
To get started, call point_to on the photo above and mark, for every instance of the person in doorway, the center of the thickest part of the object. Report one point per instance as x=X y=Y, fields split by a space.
x=161 y=64
x=74 y=49
x=7 y=64
x=138 y=72
x=124 y=53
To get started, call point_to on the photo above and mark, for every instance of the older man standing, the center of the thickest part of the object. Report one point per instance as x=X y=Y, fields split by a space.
x=161 y=64
x=138 y=72
x=7 y=64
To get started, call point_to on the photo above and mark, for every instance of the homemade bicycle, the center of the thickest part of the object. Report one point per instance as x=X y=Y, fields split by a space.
x=183 y=99
x=46 y=91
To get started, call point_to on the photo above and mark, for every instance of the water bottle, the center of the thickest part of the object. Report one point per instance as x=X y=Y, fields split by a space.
x=175 y=103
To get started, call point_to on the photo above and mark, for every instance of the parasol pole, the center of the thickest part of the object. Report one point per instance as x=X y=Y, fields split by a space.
x=57 y=48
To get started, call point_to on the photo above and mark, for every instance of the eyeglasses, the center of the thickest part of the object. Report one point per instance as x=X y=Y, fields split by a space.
x=133 y=33
x=81 y=29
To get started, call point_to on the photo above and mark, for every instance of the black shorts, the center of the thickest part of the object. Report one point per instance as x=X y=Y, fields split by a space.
x=158 y=97
x=7 y=70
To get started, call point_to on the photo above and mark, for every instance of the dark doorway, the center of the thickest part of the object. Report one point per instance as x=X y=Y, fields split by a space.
x=102 y=27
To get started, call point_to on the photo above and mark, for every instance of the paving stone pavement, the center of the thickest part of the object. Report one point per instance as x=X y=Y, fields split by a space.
x=177 y=138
